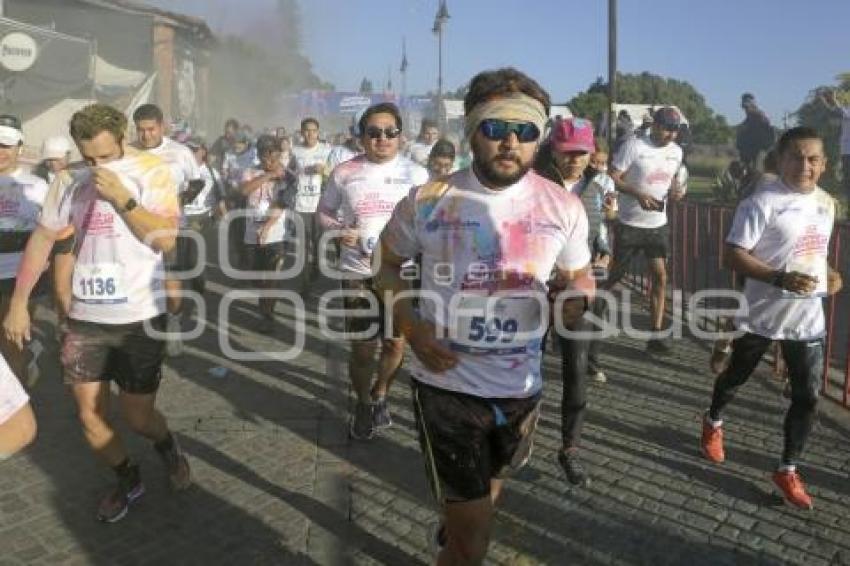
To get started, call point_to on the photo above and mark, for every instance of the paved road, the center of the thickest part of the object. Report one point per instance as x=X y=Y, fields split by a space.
x=277 y=481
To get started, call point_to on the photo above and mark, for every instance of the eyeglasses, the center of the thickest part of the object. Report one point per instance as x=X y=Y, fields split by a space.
x=497 y=130
x=374 y=132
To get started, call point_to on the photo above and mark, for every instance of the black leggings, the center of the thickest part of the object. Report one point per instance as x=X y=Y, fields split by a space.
x=805 y=369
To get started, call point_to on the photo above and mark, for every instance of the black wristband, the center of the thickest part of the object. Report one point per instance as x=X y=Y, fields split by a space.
x=778 y=279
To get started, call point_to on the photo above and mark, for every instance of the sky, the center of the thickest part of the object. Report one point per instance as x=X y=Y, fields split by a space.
x=777 y=49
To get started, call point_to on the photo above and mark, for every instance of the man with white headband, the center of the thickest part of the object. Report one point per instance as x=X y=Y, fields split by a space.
x=489 y=237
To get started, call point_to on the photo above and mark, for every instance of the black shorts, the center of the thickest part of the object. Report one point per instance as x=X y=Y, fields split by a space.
x=93 y=352
x=468 y=441
x=265 y=257
x=653 y=242
x=366 y=297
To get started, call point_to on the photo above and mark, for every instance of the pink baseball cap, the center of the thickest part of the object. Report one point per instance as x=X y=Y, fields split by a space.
x=573 y=134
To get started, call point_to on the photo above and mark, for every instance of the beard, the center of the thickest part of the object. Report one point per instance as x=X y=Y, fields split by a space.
x=488 y=172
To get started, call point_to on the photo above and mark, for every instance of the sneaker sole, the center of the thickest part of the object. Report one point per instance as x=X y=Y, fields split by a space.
x=781 y=494
x=132 y=497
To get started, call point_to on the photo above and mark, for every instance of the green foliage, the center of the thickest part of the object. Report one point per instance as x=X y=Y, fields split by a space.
x=815 y=114
x=646 y=88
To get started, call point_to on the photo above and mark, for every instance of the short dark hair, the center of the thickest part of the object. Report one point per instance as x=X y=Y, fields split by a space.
x=502 y=82
x=427 y=123
x=148 y=112
x=381 y=108
x=309 y=120
x=231 y=123
x=443 y=148
x=96 y=118
x=267 y=144
x=796 y=134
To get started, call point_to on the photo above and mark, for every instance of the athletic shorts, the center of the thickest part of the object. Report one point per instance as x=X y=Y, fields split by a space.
x=653 y=242
x=363 y=322
x=124 y=353
x=12 y=394
x=178 y=260
x=468 y=441
x=265 y=257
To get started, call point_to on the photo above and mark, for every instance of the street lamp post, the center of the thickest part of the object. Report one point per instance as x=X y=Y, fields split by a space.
x=440 y=21
x=612 y=69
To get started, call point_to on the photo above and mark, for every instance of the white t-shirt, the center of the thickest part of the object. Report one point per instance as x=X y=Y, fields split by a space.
x=419 y=152
x=364 y=195
x=21 y=198
x=117 y=277
x=259 y=203
x=235 y=164
x=790 y=231
x=309 y=186
x=477 y=243
x=650 y=169
x=12 y=395
x=845 y=131
x=183 y=164
x=206 y=199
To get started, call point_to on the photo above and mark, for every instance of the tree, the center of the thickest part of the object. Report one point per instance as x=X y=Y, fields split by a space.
x=814 y=114
x=646 y=88
x=366 y=86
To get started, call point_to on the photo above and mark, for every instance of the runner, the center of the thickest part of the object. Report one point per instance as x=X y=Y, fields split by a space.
x=420 y=149
x=363 y=191
x=21 y=198
x=150 y=133
x=55 y=156
x=644 y=171
x=441 y=161
x=564 y=159
x=269 y=190
x=242 y=157
x=114 y=206
x=17 y=421
x=501 y=229
x=310 y=158
x=225 y=143
x=199 y=213
x=779 y=241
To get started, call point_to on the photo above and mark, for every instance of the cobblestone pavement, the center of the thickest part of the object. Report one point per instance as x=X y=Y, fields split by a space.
x=277 y=481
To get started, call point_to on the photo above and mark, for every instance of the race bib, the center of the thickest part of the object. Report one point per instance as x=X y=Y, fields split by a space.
x=369 y=236
x=497 y=326
x=99 y=283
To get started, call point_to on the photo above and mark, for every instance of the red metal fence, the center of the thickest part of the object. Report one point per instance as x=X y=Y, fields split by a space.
x=698 y=232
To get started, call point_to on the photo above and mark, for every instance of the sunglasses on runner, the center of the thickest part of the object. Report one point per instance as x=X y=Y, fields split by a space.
x=497 y=130
x=374 y=132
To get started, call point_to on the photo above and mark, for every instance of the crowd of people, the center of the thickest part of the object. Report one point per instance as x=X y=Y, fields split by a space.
x=469 y=255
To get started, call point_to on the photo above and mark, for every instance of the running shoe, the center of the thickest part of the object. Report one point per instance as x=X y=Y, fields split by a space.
x=177 y=466
x=793 y=491
x=381 y=414
x=659 y=346
x=711 y=444
x=117 y=502
x=572 y=467
x=437 y=537
x=599 y=376
x=362 y=427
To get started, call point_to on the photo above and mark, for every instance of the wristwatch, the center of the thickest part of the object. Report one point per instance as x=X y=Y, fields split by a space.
x=130 y=205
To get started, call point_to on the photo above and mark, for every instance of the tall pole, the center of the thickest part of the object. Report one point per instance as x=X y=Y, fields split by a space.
x=440 y=21
x=612 y=69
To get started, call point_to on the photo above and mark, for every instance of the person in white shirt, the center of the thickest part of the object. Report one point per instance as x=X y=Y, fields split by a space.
x=21 y=198
x=500 y=230
x=124 y=211
x=441 y=160
x=199 y=212
x=420 y=150
x=358 y=201
x=150 y=137
x=779 y=241
x=269 y=191
x=311 y=167
x=55 y=156
x=17 y=421
x=644 y=172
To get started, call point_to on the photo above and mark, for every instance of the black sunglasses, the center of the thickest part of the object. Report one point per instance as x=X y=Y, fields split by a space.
x=497 y=130
x=374 y=132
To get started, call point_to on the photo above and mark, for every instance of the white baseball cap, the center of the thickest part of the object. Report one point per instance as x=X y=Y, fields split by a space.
x=10 y=130
x=55 y=147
